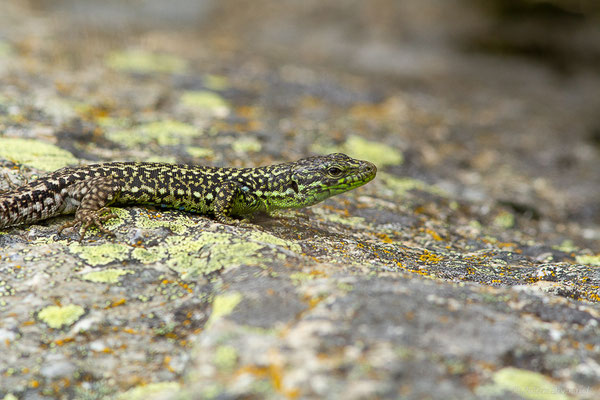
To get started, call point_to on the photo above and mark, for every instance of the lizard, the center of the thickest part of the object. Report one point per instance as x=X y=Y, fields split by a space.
x=224 y=194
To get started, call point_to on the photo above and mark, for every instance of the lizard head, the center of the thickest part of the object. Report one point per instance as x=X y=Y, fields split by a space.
x=314 y=179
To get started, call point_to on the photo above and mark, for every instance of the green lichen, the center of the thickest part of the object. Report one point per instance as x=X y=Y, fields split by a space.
x=163 y=133
x=588 y=260
x=567 y=246
x=159 y=390
x=209 y=391
x=110 y=275
x=200 y=152
x=5 y=49
x=216 y=82
x=358 y=147
x=145 y=62
x=35 y=154
x=337 y=218
x=505 y=220
x=122 y=215
x=205 y=101
x=299 y=277
x=106 y=122
x=246 y=145
x=225 y=357
x=160 y=159
x=527 y=384
x=179 y=225
x=58 y=316
x=100 y=254
x=223 y=305
x=210 y=251
x=401 y=186
x=264 y=237
x=345 y=287
x=146 y=256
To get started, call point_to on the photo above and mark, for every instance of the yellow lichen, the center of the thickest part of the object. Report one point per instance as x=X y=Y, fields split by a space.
x=145 y=62
x=58 y=316
x=358 y=147
x=206 y=102
x=163 y=133
x=100 y=254
x=225 y=357
x=527 y=384
x=588 y=260
x=246 y=145
x=223 y=305
x=36 y=154
x=152 y=391
x=110 y=275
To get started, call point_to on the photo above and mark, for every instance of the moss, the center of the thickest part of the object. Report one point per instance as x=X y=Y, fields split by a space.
x=163 y=133
x=357 y=147
x=588 y=260
x=145 y=62
x=246 y=145
x=110 y=275
x=223 y=305
x=225 y=357
x=205 y=101
x=101 y=254
x=35 y=154
x=58 y=316
x=158 y=390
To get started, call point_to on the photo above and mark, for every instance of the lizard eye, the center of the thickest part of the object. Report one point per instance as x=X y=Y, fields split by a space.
x=334 y=171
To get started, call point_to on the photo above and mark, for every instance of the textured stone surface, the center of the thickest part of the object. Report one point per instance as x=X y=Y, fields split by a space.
x=467 y=269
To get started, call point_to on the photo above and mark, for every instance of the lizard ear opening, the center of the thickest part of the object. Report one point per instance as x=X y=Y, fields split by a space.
x=294 y=185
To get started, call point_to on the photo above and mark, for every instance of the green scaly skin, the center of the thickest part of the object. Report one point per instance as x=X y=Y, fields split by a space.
x=222 y=193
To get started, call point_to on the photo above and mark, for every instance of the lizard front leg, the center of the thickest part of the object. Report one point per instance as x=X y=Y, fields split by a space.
x=223 y=206
x=93 y=195
x=224 y=203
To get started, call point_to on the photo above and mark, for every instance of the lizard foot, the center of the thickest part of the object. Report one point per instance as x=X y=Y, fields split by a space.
x=87 y=219
x=242 y=223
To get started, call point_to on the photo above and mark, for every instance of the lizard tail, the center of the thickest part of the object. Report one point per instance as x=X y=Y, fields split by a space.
x=29 y=204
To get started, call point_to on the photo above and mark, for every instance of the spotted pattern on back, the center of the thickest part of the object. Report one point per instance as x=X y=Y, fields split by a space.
x=222 y=193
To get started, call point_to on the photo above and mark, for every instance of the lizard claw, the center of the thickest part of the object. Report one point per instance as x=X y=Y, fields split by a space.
x=87 y=219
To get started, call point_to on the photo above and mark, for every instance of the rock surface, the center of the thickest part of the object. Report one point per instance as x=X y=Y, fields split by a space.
x=469 y=268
